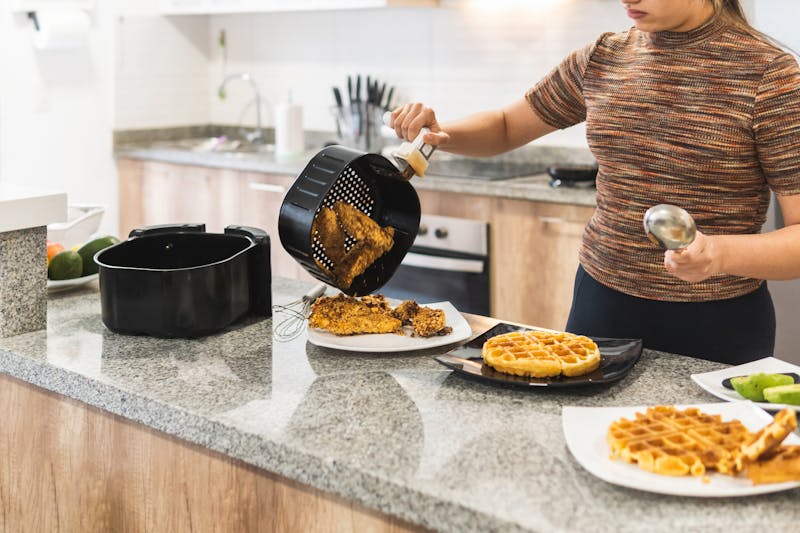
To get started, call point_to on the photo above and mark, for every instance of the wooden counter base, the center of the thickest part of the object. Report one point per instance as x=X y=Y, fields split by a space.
x=66 y=466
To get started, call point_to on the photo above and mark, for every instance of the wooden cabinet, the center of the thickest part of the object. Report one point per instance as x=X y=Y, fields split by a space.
x=533 y=248
x=162 y=193
x=261 y=199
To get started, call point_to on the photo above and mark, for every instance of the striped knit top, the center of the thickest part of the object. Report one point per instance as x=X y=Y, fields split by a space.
x=708 y=120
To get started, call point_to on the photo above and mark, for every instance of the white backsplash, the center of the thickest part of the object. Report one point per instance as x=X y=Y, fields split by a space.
x=457 y=60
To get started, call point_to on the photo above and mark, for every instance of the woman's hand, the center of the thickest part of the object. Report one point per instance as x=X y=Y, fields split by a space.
x=409 y=119
x=695 y=263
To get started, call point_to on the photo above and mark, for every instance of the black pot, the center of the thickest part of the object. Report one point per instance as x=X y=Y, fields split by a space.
x=179 y=281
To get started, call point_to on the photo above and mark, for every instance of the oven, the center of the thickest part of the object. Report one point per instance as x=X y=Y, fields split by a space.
x=449 y=261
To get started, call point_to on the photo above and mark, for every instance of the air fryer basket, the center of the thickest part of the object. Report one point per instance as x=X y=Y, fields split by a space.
x=368 y=182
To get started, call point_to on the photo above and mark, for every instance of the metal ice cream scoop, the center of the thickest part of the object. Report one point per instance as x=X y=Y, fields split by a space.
x=669 y=226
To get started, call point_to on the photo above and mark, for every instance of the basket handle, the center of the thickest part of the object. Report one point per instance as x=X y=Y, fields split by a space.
x=167 y=228
x=260 y=270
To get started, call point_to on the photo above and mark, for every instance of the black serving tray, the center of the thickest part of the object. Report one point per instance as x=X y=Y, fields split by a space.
x=617 y=357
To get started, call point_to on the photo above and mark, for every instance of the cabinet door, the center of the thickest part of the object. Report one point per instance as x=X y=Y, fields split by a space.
x=534 y=247
x=261 y=199
x=161 y=193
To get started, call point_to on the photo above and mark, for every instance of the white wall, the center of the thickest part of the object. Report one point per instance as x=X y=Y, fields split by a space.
x=56 y=112
x=779 y=18
x=458 y=60
x=162 y=70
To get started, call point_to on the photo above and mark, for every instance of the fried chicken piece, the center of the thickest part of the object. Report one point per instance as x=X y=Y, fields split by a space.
x=329 y=233
x=377 y=302
x=355 y=262
x=345 y=315
x=363 y=228
x=406 y=311
x=430 y=322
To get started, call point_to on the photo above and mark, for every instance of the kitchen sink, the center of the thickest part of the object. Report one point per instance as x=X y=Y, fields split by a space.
x=220 y=144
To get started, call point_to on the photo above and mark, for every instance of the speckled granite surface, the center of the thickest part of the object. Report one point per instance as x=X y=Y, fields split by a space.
x=23 y=281
x=395 y=432
x=160 y=147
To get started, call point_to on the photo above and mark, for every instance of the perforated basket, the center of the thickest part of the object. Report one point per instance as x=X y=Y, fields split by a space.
x=368 y=182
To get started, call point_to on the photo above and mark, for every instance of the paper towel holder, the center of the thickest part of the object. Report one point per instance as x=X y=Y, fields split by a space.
x=31 y=6
x=59 y=25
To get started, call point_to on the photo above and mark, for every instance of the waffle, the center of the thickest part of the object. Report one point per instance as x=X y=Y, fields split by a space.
x=667 y=441
x=541 y=354
x=778 y=465
x=768 y=437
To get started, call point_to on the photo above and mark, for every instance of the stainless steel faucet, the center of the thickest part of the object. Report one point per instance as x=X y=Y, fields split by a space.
x=257 y=135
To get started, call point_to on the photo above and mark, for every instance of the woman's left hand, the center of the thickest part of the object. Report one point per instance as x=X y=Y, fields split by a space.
x=696 y=262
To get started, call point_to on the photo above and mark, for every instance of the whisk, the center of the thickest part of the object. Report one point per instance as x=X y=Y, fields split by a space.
x=296 y=313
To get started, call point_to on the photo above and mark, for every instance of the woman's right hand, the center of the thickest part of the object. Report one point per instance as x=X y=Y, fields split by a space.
x=409 y=119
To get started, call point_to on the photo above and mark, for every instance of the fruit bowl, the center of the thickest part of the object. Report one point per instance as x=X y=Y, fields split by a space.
x=67 y=284
x=83 y=221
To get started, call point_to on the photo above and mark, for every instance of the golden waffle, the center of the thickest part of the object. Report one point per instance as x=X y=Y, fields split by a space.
x=779 y=465
x=667 y=441
x=768 y=437
x=541 y=354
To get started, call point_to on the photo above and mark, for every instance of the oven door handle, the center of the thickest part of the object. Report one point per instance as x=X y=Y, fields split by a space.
x=443 y=263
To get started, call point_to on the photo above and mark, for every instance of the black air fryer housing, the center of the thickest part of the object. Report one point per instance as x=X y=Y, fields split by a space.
x=369 y=182
x=179 y=281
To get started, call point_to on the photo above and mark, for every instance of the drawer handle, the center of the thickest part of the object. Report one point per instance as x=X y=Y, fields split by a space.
x=552 y=220
x=266 y=187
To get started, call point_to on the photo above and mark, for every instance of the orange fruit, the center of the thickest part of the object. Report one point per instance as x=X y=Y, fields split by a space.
x=53 y=248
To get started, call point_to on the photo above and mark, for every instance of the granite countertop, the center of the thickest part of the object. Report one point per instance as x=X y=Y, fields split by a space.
x=395 y=432
x=165 y=147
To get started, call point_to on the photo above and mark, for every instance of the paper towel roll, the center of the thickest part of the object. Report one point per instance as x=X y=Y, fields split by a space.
x=61 y=27
x=289 y=129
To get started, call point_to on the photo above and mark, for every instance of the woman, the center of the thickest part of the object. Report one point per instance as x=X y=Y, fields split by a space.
x=690 y=107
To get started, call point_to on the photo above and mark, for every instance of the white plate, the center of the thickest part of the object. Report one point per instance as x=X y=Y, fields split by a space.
x=390 y=342
x=66 y=284
x=585 y=430
x=711 y=382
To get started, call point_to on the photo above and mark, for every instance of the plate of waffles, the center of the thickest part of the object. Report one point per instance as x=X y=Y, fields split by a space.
x=712 y=450
x=403 y=340
x=519 y=356
x=713 y=382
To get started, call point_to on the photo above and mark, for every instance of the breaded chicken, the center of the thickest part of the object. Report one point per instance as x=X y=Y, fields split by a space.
x=377 y=302
x=406 y=311
x=329 y=233
x=355 y=262
x=430 y=322
x=345 y=315
x=348 y=315
x=363 y=228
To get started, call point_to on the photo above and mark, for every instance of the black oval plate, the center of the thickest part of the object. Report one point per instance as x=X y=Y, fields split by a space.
x=617 y=357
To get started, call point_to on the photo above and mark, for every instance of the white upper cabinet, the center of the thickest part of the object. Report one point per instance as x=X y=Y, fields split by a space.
x=210 y=7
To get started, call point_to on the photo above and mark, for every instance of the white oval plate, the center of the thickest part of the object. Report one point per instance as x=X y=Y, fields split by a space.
x=66 y=284
x=391 y=342
x=711 y=382
x=585 y=430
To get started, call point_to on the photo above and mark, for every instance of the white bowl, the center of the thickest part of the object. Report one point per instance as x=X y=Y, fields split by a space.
x=83 y=221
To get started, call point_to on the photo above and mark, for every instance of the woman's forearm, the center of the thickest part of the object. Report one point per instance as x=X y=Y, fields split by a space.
x=494 y=132
x=478 y=135
x=771 y=256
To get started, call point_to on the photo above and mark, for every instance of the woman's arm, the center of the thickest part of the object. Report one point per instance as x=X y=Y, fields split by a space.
x=772 y=256
x=482 y=134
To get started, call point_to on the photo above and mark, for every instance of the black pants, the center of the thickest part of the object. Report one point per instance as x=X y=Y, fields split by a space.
x=734 y=331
